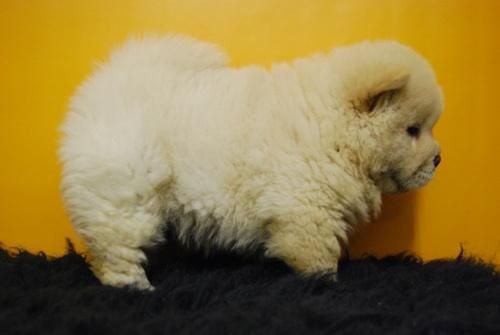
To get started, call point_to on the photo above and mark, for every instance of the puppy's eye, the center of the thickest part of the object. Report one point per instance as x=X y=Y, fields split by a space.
x=413 y=131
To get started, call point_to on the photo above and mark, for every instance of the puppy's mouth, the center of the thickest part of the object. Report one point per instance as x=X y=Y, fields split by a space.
x=395 y=181
x=419 y=178
x=400 y=186
x=391 y=182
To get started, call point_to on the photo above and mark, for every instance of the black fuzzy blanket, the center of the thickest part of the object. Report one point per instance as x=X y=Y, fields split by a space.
x=230 y=294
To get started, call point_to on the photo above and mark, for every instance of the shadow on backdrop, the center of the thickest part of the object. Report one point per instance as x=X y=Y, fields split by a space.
x=393 y=232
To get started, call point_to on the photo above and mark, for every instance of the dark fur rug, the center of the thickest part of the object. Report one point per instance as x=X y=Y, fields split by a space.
x=230 y=294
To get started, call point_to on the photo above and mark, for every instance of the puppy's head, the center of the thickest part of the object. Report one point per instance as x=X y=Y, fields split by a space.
x=390 y=103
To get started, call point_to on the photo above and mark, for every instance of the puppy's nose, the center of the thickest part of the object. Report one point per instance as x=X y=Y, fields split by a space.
x=437 y=160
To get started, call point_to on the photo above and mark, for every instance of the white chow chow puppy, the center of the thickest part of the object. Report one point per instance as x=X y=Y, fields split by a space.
x=290 y=159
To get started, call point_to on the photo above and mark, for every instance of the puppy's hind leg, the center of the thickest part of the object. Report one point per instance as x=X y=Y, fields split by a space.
x=118 y=209
x=116 y=256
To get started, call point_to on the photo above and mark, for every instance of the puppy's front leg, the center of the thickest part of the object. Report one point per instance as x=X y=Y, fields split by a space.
x=307 y=241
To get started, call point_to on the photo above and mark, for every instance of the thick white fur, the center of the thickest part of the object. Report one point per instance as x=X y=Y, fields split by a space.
x=290 y=158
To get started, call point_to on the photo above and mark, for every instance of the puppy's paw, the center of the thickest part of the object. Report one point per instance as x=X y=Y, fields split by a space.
x=126 y=280
x=133 y=277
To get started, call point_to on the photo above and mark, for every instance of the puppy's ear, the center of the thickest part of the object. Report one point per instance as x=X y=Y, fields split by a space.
x=373 y=89
x=383 y=90
x=368 y=74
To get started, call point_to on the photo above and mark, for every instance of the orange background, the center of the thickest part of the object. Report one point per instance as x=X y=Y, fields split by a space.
x=48 y=47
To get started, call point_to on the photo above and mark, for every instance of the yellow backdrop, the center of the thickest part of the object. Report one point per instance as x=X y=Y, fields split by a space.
x=48 y=47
